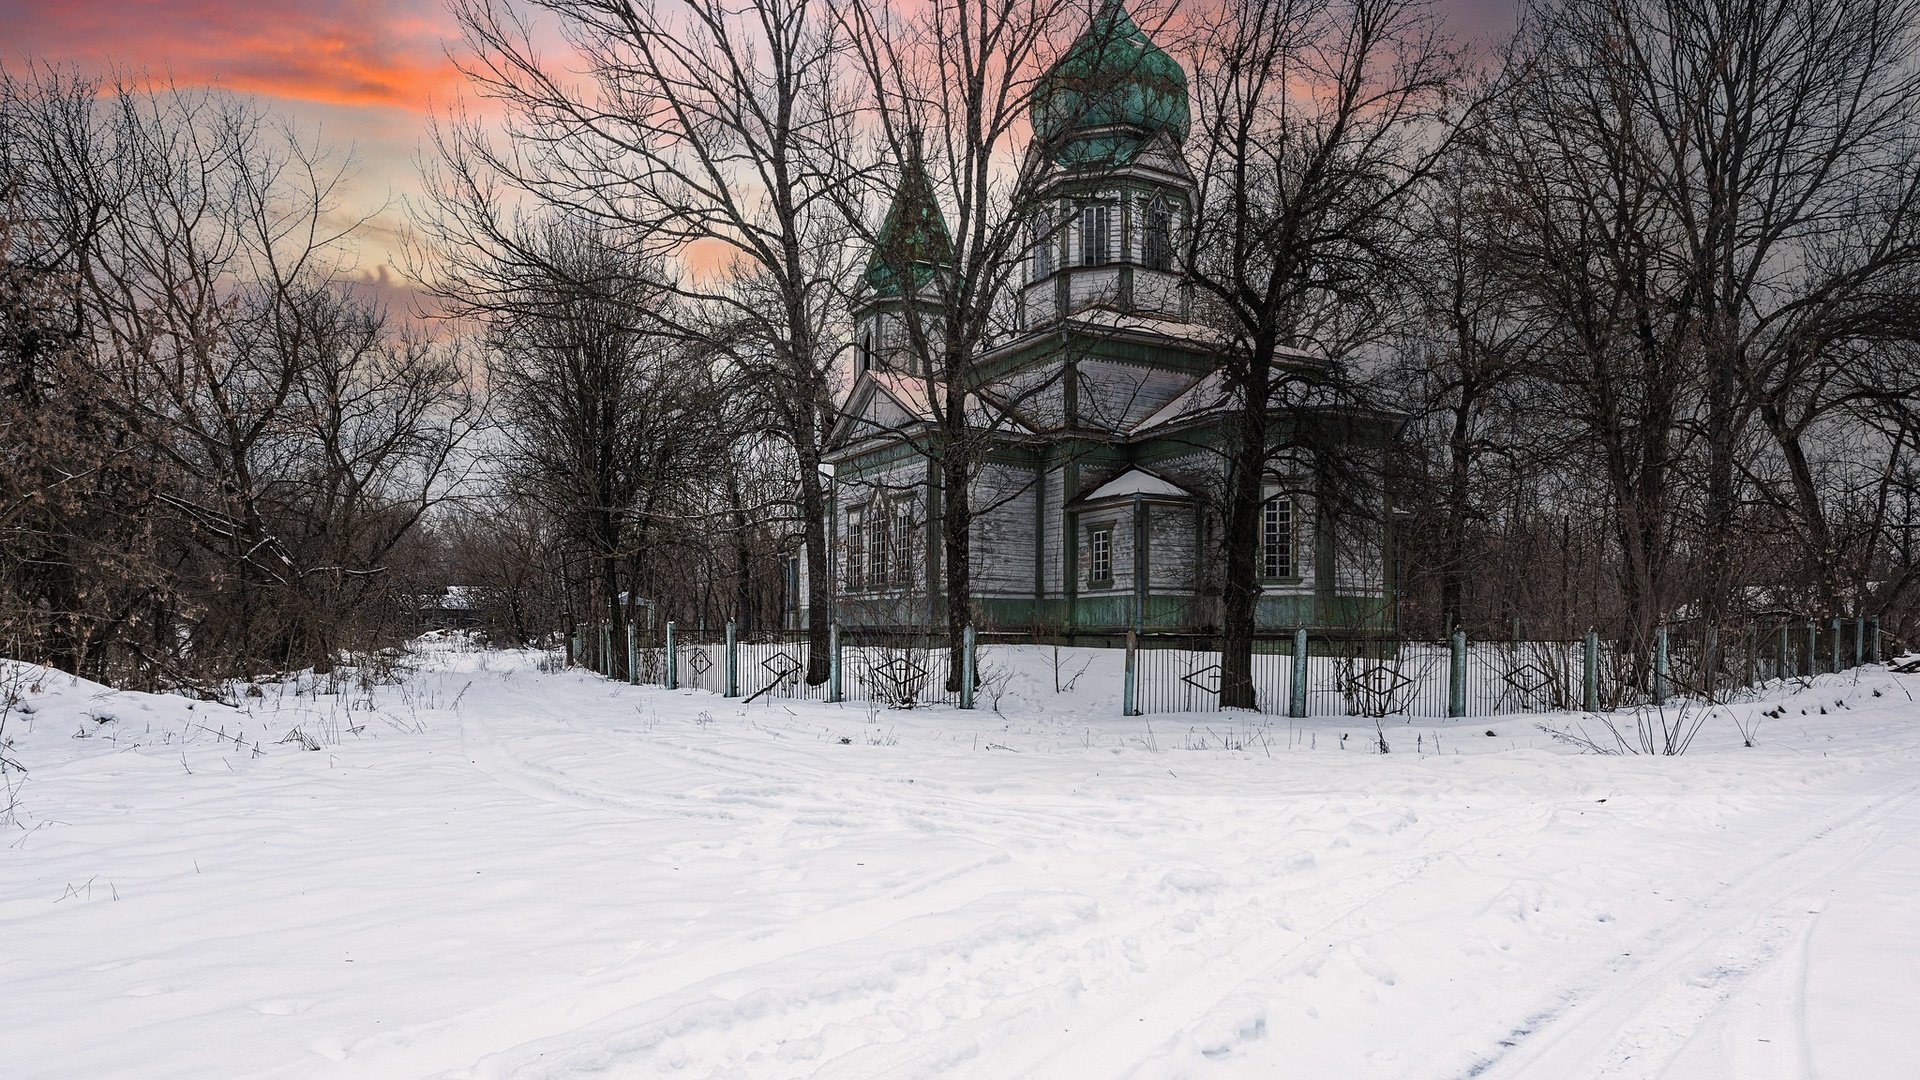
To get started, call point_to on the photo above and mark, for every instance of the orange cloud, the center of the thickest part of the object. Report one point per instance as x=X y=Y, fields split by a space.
x=344 y=52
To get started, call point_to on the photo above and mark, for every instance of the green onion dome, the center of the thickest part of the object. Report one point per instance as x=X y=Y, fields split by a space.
x=1112 y=76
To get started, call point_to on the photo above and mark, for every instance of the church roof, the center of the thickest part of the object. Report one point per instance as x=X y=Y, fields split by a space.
x=1136 y=481
x=1110 y=93
x=919 y=404
x=913 y=239
x=1207 y=394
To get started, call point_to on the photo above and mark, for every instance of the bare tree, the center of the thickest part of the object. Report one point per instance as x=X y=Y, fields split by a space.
x=1465 y=363
x=1318 y=121
x=953 y=85
x=717 y=135
x=287 y=440
x=607 y=417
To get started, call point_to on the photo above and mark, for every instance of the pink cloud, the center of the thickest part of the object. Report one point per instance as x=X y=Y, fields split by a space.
x=350 y=52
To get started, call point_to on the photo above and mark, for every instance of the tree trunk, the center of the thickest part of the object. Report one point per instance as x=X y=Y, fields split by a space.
x=1240 y=592
x=1822 y=558
x=956 y=519
x=1453 y=571
x=813 y=507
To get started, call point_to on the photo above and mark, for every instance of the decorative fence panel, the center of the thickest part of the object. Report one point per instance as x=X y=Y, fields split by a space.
x=1181 y=673
x=1372 y=677
x=699 y=661
x=897 y=668
x=775 y=665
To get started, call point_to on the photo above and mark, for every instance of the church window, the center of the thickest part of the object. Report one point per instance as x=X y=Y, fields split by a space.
x=1276 y=548
x=1043 y=240
x=866 y=349
x=856 y=547
x=878 y=545
x=1100 y=556
x=1096 y=227
x=902 y=542
x=1157 y=246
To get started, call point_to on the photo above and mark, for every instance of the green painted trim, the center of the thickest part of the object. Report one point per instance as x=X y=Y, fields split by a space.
x=1076 y=343
x=871 y=461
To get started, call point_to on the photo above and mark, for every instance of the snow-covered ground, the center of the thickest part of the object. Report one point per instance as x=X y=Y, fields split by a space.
x=490 y=870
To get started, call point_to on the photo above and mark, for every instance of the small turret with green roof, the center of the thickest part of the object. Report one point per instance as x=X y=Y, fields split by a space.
x=1110 y=93
x=913 y=240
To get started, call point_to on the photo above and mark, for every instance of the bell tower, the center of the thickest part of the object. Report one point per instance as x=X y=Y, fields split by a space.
x=1110 y=118
x=905 y=277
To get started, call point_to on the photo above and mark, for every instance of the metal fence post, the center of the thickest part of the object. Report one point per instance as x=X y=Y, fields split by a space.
x=833 y=663
x=1813 y=648
x=573 y=646
x=1590 y=681
x=966 y=667
x=1129 y=695
x=1873 y=639
x=1784 y=669
x=1660 y=665
x=1859 y=640
x=733 y=661
x=633 y=656
x=1457 y=676
x=671 y=676
x=1297 y=697
x=1836 y=644
x=606 y=649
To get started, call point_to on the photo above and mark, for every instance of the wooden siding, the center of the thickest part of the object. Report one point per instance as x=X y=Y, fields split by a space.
x=1053 y=549
x=1002 y=537
x=1172 y=563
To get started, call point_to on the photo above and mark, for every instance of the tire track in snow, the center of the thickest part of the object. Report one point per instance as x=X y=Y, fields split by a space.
x=924 y=808
x=461 y=1042
x=546 y=785
x=1132 y=1026
x=1647 y=1009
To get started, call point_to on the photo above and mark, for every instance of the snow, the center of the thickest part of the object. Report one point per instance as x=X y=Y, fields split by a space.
x=490 y=869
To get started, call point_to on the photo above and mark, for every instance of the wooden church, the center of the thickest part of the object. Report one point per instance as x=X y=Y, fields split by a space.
x=1102 y=412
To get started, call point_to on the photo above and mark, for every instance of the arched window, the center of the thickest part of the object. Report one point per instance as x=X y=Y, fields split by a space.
x=866 y=350
x=902 y=542
x=1276 y=537
x=1156 y=249
x=879 y=544
x=856 y=547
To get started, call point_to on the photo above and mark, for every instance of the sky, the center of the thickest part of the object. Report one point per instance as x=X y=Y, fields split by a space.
x=365 y=75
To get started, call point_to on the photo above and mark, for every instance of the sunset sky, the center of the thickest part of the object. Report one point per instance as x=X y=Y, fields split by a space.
x=364 y=73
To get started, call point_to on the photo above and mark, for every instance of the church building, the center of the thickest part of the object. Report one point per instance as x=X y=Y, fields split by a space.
x=1102 y=413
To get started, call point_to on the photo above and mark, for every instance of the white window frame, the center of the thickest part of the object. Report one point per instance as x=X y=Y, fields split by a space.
x=1096 y=234
x=1100 y=555
x=1044 y=239
x=878 y=543
x=901 y=539
x=856 y=548
x=1277 y=554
